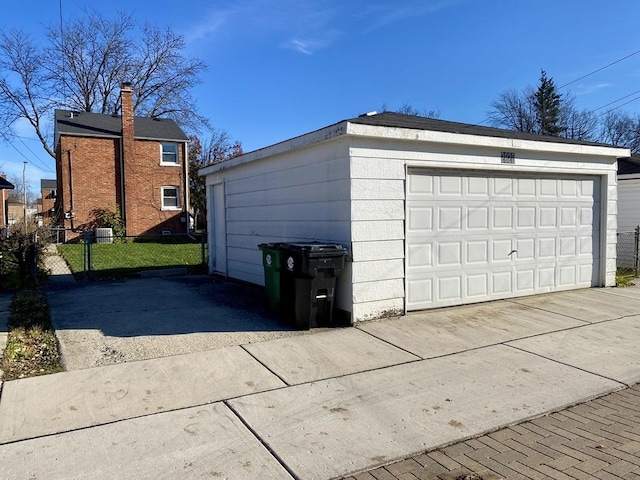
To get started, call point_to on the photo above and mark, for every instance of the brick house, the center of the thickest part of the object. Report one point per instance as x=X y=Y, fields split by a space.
x=46 y=204
x=4 y=199
x=135 y=165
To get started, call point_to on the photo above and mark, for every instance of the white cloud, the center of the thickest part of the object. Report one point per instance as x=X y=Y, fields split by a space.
x=298 y=45
x=584 y=89
x=378 y=16
x=304 y=26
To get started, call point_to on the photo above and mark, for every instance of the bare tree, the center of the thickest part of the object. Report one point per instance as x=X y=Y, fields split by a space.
x=577 y=124
x=514 y=111
x=409 y=109
x=218 y=149
x=621 y=129
x=83 y=66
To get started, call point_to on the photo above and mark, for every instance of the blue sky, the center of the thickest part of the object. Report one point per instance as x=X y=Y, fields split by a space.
x=277 y=69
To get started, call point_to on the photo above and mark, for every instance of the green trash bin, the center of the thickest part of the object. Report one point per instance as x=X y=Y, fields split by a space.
x=271 y=264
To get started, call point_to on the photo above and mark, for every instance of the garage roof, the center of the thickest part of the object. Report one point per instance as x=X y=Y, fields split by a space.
x=399 y=120
x=427 y=129
x=629 y=165
x=86 y=124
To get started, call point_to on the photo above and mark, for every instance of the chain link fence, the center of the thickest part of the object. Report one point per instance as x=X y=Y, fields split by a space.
x=102 y=255
x=628 y=244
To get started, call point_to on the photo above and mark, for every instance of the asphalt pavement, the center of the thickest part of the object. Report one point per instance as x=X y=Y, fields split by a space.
x=321 y=405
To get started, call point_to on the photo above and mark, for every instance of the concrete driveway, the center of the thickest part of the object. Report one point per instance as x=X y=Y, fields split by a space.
x=314 y=406
x=106 y=323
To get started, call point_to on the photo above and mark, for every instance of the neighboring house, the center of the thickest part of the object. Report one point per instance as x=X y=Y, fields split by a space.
x=17 y=212
x=628 y=194
x=4 y=198
x=135 y=165
x=46 y=207
x=433 y=213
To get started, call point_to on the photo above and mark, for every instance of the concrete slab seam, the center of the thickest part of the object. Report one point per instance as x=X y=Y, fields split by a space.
x=271 y=451
x=418 y=357
x=623 y=384
x=480 y=347
x=517 y=302
x=265 y=366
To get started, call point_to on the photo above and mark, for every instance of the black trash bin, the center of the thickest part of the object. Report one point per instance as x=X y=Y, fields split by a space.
x=307 y=282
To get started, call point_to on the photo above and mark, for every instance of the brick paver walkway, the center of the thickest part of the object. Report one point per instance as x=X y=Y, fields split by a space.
x=597 y=439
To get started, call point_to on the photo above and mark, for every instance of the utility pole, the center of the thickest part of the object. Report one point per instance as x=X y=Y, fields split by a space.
x=24 y=195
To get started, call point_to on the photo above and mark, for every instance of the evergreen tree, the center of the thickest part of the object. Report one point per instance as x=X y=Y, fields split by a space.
x=547 y=103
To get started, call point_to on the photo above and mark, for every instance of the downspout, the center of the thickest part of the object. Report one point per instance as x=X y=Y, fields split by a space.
x=123 y=206
x=70 y=189
x=186 y=185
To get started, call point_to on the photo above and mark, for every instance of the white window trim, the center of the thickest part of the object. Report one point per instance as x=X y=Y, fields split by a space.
x=169 y=164
x=162 y=197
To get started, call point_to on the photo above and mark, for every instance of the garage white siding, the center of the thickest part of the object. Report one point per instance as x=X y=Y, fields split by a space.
x=296 y=196
x=474 y=236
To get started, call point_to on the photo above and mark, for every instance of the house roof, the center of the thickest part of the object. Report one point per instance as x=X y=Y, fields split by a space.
x=400 y=120
x=46 y=184
x=629 y=165
x=5 y=184
x=87 y=124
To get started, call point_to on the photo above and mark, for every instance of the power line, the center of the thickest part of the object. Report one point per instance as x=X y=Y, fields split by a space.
x=616 y=101
x=46 y=169
x=621 y=105
x=35 y=156
x=599 y=69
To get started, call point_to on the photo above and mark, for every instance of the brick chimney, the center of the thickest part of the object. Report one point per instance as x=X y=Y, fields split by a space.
x=127 y=158
x=126 y=99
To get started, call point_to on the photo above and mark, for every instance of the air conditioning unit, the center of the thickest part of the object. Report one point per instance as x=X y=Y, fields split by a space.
x=104 y=235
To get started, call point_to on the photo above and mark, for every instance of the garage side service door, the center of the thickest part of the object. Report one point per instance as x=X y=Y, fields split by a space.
x=474 y=237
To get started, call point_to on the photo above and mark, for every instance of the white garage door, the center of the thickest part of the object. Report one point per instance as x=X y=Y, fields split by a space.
x=473 y=237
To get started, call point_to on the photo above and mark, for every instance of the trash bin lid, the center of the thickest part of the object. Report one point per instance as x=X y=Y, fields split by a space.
x=316 y=249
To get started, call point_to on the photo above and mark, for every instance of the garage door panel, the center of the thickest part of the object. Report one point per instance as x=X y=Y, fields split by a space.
x=569 y=217
x=419 y=255
x=449 y=186
x=525 y=249
x=568 y=275
x=525 y=280
x=526 y=187
x=477 y=285
x=502 y=282
x=449 y=288
x=477 y=252
x=449 y=254
x=503 y=217
x=419 y=219
x=525 y=217
x=477 y=218
x=547 y=187
x=503 y=187
x=420 y=292
x=547 y=217
x=473 y=237
x=477 y=186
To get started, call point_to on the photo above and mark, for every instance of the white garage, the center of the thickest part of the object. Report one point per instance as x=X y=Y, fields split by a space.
x=433 y=213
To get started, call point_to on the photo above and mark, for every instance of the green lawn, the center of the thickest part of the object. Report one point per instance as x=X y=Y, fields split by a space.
x=119 y=259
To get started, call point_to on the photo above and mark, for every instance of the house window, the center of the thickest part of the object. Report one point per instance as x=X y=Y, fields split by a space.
x=170 y=198
x=169 y=154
